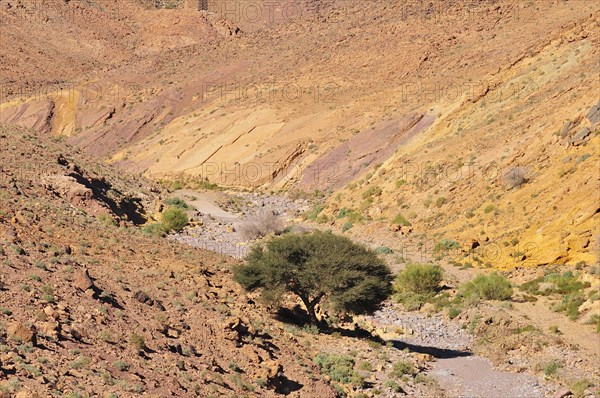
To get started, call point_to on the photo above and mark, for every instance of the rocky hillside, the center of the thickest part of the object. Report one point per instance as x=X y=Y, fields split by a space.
x=90 y=305
x=511 y=172
x=450 y=114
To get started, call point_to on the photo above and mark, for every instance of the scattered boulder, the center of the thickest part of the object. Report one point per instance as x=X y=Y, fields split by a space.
x=235 y=329
x=580 y=137
x=8 y=234
x=82 y=280
x=172 y=332
x=49 y=329
x=594 y=114
x=143 y=298
x=159 y=305
x=26 y=394
x=566 y=128
x=22 y=332
x=473 y=244
x=270 y=370
x=424 y=357
x=563 y=393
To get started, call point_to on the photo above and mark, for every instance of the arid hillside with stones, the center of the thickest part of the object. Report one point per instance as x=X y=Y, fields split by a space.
x=147 y=145
x=91 y=305
x=430 y=107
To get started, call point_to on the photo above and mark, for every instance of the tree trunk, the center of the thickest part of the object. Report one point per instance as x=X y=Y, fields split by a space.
x=312 y=314
x=310 y=309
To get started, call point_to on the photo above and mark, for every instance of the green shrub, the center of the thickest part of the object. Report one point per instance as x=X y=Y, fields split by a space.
x=176 y=185
x=392 y=385
x=526 y=328
x=488 y=287
x=446 y=245
x=174 y=219
x=122 y=366
x=595 y=320
x=343 y=213
x=490 y=208
x=355 y=217
x=371 y=191
x=313 y=213
x=155 y=229
x=383 y=250
x=347 y=226
x=402 y=368
x=339 y=367
x=366 y=366
x=551 y=368
x=532 y=287
x=400 y=220
x=177 y=203
x=439 y=202
x=138 y=341
x=453 y=312
x=566 y=283
x=107 y=219
x=554 y=329
x=80 y=363
x=417 y=284
x=570 y=305
x=419 y=279
x=578 y=388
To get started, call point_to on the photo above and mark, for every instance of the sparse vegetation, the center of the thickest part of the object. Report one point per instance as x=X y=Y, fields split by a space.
x=402 y=368
x=445 y=245
x=313 y=213
x=372 y=192
x=177 y=203
x=417 y=284
x=138 y=341
x=551 y=368
x=120 y=365
x=346 y=226
x=515 y=176
x=399 y=219
x=339 y=367
x=155 y=229
x=80 y=363
x=107 y=219
x=578 y=388
x=262 y=224
x=174 y=219
x=488 y=287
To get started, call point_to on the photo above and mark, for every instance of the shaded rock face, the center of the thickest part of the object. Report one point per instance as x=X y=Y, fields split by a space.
x=95 y=195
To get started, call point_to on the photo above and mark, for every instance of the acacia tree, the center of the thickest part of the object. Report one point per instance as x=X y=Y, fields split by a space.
x=317 y=267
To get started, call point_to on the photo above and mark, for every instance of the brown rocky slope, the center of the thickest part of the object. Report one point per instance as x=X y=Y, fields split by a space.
x=93 y=308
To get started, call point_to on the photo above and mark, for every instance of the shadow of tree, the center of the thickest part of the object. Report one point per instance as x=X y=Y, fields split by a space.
x=435 y=352
x=285 y=386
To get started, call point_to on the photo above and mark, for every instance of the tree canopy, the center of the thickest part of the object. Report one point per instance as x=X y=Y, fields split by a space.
x=317 y=266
